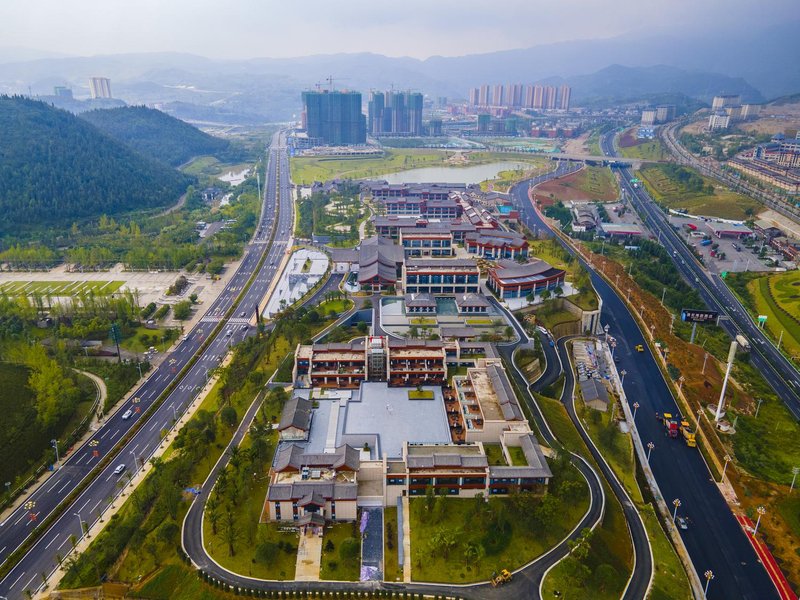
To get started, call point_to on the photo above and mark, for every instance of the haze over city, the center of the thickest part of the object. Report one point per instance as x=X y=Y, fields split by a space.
x=423 y=299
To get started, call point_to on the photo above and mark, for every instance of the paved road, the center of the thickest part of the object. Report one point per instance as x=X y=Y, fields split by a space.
x=779 y=372
x=26 y=575
x=714 y=540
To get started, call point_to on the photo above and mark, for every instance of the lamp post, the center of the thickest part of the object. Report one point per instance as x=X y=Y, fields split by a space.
x=54 y=444
x=705 y=358
x=676 y=503
x=606 y=328
x=622 y=379
x=709 y=575
x=635 y=408
x=760 y=400
x=795 y=471
x=761 y=511
x=80 y=524
x=8 y=487
x=725 y=468
x=650 y=446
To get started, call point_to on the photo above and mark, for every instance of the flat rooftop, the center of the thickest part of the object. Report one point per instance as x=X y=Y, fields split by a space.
x=484 y=392
x=389 y=414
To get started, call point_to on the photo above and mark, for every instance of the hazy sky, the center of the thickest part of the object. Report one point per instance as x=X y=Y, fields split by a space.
x=419 y=28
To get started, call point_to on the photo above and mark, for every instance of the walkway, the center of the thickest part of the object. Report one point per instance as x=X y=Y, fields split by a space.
x=765 y=556
x=309 y=557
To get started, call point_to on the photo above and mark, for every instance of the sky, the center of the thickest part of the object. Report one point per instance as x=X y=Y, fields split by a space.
x=229 y=29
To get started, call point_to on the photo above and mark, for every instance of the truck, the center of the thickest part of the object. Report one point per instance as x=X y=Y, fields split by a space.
x=500 y=579
x=670 y=425
x=705 y=243
x=743 y=343
x=688 y=434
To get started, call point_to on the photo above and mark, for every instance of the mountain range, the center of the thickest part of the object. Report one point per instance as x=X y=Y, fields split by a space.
x=757 y=65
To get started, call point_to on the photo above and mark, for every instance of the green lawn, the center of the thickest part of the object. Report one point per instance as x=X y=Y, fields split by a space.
x=420 y=394
x=333 y=567
x=517 y=456
x=508 y=550
x=60 y=288
x=478 y=321
x=134 y=342
x=422 y=321
x=505 y=179
x=338 y=306
x=778 y=297
x=670 y=192
x=646 y=150
x=391 y=570
x=494 y=454
x=211 y=166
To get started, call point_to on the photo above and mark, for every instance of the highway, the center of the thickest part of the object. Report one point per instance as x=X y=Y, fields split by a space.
x=779 y=372
x=714 y=539
x=98 y=494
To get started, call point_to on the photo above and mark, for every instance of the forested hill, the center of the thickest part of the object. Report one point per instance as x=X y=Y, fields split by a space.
x=57 y=168
x=155 y=134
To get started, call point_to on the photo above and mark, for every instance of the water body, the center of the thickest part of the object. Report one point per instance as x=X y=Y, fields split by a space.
x=467 y=175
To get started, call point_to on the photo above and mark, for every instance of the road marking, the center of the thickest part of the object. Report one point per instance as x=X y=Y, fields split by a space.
x=115 y=434
x=31 y=520
x=64 y=486
x=16 y=581
x=84 y=505
x=30 y=582
x=104 y=434
x=51 y=541
x=3 y=548
x=62 y=543
x=96 y=505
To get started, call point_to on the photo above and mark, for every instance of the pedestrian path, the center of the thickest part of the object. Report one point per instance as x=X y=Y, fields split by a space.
x=309 y=556
x=406 y=516
x=766 y=558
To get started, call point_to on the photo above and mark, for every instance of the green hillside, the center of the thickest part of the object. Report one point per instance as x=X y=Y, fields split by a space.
x=56 y=168
x=155 y=134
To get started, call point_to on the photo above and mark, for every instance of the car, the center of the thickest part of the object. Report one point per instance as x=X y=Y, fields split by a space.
x=639 y=348
x=127 y=414
x=120 y=468
x=242 y=314
x=682 y=523
x=244 y=326
x=229 y=333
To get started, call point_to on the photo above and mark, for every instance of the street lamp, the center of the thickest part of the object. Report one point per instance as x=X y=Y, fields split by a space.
x=709 y=575
x=54 y=444
x=761 y=511
x=795 y=471
x=650 y=446
x=622 y=380
x=606 y=328
x=135 y=463
x=676 y=503
x=725 y=468
x=80 y=524
x=8 y=487
x=635 y=408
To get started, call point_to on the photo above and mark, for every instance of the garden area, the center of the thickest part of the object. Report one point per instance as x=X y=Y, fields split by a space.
x=462 y=540
x=341 y=551
x=778 y=297
x=335 y=215
x=682 y=188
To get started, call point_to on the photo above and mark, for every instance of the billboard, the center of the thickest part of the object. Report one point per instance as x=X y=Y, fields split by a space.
x=690 y=315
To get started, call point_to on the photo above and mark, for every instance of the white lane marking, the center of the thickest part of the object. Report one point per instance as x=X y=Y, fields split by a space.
x=27 y=587
x=16 y=581
x=64 y=486
x=66 y=539
x=84 y=505
x=96 y=505
x=116 y=433
x=105 y=433
x=51 y=541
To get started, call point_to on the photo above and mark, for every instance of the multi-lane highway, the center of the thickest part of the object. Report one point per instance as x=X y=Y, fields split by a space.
x=714 y=539
x=262 y=258
x=779 y=372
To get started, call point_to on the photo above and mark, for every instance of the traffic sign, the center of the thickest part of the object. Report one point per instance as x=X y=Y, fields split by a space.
x=762 y=318
x=724 y=274
x=691 y=315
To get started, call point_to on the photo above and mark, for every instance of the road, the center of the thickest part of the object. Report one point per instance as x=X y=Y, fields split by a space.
x=26 y=574
x=714 y=540
x=778 y=371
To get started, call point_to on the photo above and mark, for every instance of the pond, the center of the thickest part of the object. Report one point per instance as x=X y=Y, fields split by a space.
x=468 y=175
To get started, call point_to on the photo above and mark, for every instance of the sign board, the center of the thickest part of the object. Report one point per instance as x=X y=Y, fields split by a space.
x=690 y=315
x=762 y=318
x=724 y=274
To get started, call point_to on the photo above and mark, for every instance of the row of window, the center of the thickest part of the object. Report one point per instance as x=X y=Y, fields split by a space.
x=410 y=279
x=433 y=289
x=426 y=243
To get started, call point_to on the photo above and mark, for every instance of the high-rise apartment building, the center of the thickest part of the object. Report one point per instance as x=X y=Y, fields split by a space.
x=483 y=96
x=100 y=87
x=498 y=95
x=474 y=96
x=665 y=113
x=538 y=96
x=564 y=96
x=334 y=118
x=549 y=97
x=725 y=100
x=395 y=113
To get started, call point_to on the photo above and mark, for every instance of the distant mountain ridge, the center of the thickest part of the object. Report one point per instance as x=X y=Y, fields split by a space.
x=56 y=168
x=155 y=134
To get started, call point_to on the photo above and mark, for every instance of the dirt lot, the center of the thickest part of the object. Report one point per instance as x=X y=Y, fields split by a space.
x=590 y=183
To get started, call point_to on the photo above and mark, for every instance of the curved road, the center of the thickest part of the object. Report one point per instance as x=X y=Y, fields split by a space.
x=714 y=539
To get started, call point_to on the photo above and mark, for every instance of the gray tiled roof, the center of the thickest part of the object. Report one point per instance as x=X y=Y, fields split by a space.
x=411 y=300
x=327 y=490
x=293 y=457
x=471 y=300
x=505 y=395
x=296 y=413
x=446 y=459
x=459 y=332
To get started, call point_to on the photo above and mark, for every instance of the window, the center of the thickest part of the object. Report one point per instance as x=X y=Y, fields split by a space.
x=447 y=481
x=395 y=481
x=421 y=480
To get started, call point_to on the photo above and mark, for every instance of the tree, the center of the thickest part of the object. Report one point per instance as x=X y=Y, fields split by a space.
x=182 y=310
x=530 y=298
x=266 y=552
x=212 y=512
x=230 y=531
x=545 y=294
x=508 y=332
x=558 y=291
x=442 y=541
x=193 y=298
x=228 y=416
x=473 y=553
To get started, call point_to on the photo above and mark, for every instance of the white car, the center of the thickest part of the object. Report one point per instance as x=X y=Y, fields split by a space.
x=120 y=468
x=127 y=414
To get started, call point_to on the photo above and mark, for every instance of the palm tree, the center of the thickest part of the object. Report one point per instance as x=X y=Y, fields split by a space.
x=473 y=552
x=558 y=291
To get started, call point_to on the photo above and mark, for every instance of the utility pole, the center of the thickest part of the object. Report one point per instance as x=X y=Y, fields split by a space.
x=705 y=358
x=54 y=443
x=731 y=357
x=650 y=446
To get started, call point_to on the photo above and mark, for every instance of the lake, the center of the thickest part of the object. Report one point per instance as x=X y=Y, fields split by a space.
x=467 y=175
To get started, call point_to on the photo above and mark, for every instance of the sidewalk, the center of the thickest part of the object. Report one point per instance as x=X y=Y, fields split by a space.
x=309 y=557
x=406 y=541
x=766 y=558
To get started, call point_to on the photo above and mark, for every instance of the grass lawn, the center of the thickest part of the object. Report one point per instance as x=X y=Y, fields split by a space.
x=670 y=192
x=494 y=454
x=335 y=306
x=420 y=394
x=391 y=570
x=517 y=456
x=515 y=549
x=505 y=179
x=422 y=321
x=479 y=321
x=590 y=183
x=631 y=147
x=549 y=318
x=211 y=166
x=333 y=567
x=24 y=443
x=778 y=297
x=306 y=170
x=178 y=582
x=134 y=344
x=59 y=288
